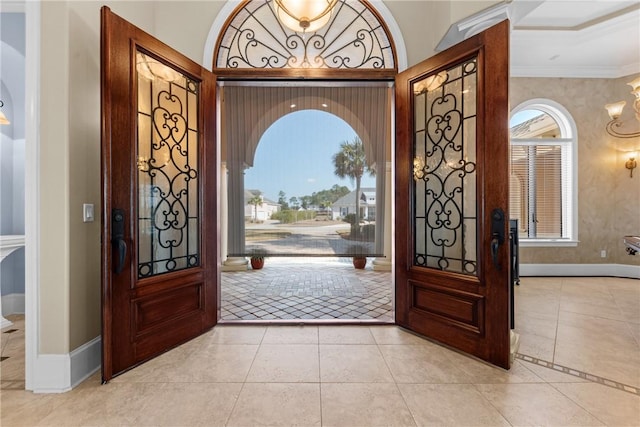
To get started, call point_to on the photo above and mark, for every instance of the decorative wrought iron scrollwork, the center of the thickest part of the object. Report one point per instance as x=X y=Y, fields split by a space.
x=353 y=38
x=167 y=180
x=443 y=173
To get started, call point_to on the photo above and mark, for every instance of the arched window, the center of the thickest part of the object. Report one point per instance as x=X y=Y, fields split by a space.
x=543 y=193
x=354 y=37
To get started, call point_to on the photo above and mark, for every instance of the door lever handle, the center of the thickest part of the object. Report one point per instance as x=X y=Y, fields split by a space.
x=122 y=254
x=495 y=244
x=117 y=238
x=497 y=234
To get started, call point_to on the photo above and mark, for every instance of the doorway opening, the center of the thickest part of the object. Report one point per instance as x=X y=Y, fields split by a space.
x=267 y=71
x=312 y=199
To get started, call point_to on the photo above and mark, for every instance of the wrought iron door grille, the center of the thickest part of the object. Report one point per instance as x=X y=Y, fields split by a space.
x=445 y=210
x=167 y=162
x=354 y=38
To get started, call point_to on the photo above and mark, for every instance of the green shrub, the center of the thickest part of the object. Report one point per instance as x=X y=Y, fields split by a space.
x=291 y=216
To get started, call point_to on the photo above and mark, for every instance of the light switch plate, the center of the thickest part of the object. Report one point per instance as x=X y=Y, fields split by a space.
x=87 y=212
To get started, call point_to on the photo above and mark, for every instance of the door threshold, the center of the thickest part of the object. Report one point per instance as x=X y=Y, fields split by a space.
x=302 y=322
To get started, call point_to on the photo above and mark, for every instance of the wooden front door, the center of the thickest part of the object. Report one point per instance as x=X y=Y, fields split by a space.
x=452 y=188
x=159 y=242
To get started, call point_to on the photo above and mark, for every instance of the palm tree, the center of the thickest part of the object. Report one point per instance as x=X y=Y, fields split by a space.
x=256 y=201
x=350 y=162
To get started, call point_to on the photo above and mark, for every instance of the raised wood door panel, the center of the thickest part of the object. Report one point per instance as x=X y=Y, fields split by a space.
x=159 y=242
x=452 y=168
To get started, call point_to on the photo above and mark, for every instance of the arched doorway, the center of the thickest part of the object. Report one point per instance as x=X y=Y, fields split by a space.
x=355 y=45
x=295 y=213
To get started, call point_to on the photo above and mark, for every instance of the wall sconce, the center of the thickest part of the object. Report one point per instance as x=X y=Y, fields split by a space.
x=615 y=111
x=304 y=15
x=3 y=118
x=418 y=168
x=631 y=164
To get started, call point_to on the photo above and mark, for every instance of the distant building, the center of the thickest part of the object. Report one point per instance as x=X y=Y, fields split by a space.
x=265 y=209
x=347 y=205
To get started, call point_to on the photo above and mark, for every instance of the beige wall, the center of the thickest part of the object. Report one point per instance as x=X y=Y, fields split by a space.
x=608 y=200
x=54 y=183
x=70 y=168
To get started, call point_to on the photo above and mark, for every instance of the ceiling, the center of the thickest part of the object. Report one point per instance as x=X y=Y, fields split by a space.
x=575 y=38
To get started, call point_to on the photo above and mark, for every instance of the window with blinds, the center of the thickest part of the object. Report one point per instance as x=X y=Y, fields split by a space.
x=541 y=176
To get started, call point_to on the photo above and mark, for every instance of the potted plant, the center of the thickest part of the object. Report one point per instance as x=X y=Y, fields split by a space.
x=357 y=253
x=257 y=258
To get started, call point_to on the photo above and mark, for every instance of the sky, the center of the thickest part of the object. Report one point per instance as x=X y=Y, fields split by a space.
x=523 y=116
x=295 y=155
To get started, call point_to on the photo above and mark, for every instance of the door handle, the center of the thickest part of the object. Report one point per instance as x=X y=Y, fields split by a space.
x=117 y=238
x=497 y=234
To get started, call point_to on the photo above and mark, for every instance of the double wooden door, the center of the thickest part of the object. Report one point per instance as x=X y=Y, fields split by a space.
x=160 y=227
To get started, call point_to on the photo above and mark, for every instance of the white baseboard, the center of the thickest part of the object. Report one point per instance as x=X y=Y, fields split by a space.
x=86 y=360
x=51 y=373
x=605 y=270
x=12 y=304
x=58 y=373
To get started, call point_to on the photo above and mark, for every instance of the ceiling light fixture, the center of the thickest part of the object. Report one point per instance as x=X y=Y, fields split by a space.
x=3 y=118
x=304 y=15
x=615 y=111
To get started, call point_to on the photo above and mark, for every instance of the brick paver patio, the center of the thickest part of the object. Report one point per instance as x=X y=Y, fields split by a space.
x=305 y=289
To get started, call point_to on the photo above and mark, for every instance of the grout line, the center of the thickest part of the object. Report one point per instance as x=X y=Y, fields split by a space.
x=555 y=336
x=233 y=408
x=320 y=376
x=579 y=374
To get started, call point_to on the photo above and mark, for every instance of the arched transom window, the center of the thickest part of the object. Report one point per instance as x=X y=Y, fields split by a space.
x=353 y=38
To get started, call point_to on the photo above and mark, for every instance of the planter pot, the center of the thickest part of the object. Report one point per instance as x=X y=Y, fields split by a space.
x=257 y=264
x=359 y=262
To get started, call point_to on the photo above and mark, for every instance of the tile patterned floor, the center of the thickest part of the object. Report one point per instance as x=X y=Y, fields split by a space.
x=591 y=325
x=369 y=375
x=287 y=289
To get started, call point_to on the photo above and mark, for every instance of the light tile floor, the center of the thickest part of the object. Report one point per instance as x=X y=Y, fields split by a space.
x=242 y=375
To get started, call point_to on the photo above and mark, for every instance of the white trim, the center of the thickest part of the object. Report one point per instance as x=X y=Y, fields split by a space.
x=561 y=270
x=571 y=71
x=59 y=373
x=396 y=34
x=85 y=361
x=12 y=304
x=35 y=371
x=547 y=243
x=51 y=373
x=474 y=24
x=214 y=32
x=378 y=5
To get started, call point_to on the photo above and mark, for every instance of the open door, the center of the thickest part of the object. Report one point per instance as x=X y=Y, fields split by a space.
x=452 y=192
x=159 y=241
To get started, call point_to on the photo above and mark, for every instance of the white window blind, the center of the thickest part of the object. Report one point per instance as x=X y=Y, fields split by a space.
x=541 y=179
